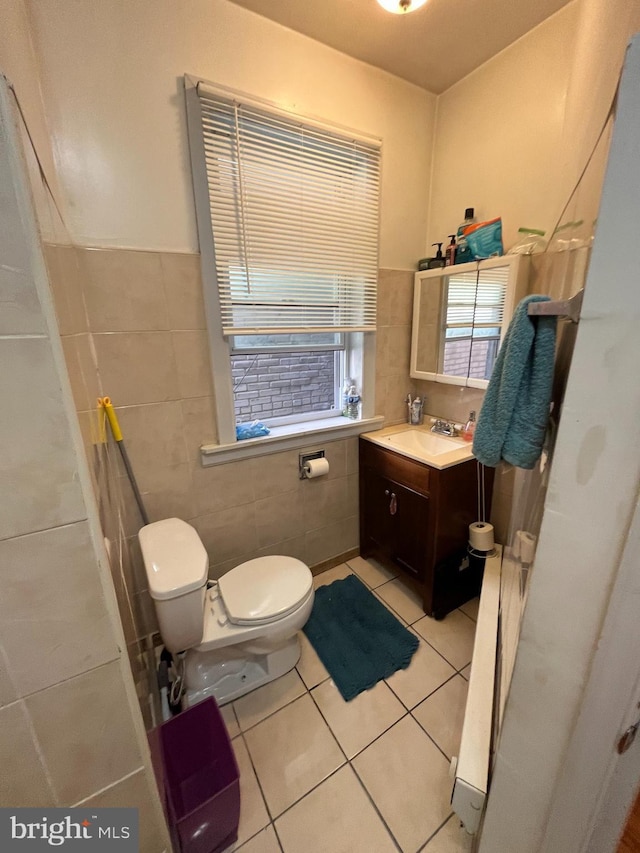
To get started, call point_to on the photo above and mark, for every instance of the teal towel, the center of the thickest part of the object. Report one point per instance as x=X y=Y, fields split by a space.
x=515 y=412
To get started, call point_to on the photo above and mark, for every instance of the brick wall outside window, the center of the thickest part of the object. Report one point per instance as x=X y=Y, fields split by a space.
x=456 y=359
x=277 y=384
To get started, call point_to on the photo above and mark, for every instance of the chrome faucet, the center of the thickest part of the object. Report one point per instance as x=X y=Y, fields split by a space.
x=445 y=428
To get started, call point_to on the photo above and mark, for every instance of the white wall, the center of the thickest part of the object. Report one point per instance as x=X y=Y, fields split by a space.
x=499 y=132
x=111 y=78
x=603 y=30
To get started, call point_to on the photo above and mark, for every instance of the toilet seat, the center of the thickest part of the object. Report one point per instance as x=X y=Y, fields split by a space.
x=264 y=590
x=219 y=631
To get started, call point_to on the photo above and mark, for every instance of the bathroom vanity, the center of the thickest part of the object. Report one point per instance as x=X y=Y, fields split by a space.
x=418 y=496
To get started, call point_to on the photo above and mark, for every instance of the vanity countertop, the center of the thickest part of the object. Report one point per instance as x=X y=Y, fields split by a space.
x=419 y=443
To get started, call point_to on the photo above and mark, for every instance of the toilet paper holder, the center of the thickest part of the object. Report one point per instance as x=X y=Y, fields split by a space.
x=307 y=457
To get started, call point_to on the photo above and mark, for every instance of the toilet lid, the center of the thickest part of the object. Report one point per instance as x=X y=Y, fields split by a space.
x=264 y=589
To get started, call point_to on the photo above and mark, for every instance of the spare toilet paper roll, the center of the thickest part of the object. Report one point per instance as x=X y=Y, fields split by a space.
x=481 y=536
x=525 y=546
x=316 y=468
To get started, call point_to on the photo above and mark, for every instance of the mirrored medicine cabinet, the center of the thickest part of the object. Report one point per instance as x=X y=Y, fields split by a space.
x=460 y=316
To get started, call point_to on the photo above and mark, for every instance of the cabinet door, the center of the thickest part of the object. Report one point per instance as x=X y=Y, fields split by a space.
x=377 y=516
x=410 y=542
x=395 y=522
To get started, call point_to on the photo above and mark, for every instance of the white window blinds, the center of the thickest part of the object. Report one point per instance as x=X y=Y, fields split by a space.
x=476 y=300
x=294 y=215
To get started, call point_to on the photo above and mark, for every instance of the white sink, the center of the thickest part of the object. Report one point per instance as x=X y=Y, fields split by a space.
x=419 y=441
x=440 y=451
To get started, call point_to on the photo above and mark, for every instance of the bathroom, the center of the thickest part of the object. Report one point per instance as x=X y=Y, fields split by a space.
x=110 y=134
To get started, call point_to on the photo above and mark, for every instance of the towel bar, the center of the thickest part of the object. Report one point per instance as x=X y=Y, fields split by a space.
x=569 y=308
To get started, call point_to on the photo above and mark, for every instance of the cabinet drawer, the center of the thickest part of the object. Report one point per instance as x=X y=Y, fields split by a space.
x=396 y=467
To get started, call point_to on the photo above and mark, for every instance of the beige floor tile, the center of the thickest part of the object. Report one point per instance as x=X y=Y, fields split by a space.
x=471 y=608
x=452 y=838
x=356 y=723
x=337 y=817
x=452 y=636
x=389 y=607
x=310 y=667
x=264 y=842
x=466 y=672
x=230 y=721
x=253 y=812
x=442 y=714
x=337 y=573
x=408 y=779
x=260 y=703
x=370 y=571
x=292 y=752
x=402 y=599
x=426 y=672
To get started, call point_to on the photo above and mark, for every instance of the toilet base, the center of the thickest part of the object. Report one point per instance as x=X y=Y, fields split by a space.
x=230 y=672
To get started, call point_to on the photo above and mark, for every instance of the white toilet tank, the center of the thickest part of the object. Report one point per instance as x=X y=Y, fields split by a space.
x=177 y=564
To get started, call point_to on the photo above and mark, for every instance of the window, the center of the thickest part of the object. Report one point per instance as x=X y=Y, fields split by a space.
x=288 y=224
x=283 y=378
x=460 y=316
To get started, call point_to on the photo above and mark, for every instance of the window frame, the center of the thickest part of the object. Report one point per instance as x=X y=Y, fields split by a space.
x=360 y=359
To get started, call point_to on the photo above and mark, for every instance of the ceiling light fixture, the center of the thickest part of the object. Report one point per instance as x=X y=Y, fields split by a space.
x=401 y=7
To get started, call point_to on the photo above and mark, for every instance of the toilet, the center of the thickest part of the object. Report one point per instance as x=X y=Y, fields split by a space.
x=238 y=633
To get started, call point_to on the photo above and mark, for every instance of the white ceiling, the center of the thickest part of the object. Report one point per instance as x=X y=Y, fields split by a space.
x=434 y=47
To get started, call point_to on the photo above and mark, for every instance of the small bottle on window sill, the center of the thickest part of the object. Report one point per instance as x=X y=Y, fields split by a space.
x=353 y=404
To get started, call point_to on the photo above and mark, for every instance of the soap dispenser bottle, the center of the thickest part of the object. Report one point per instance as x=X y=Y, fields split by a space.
x=439 y=260
x=450 y=254
x=470 y=427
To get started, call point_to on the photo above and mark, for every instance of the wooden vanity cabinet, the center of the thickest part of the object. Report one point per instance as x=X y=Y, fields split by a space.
x=416 y=518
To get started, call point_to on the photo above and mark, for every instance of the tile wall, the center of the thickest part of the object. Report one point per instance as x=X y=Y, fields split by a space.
x=133 y=327
x=70 y=731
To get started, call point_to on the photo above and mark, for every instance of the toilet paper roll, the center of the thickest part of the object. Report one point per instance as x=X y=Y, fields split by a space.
x=481 y=536
x=525 y=546
x=316 y=468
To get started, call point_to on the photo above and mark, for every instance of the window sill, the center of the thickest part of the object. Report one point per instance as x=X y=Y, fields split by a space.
x=289 y=437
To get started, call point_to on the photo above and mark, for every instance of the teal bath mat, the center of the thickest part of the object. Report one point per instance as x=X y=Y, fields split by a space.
x=357 y=639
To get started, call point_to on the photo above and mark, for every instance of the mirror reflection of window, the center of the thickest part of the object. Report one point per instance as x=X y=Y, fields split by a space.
x=472 y=323
x=460 y=317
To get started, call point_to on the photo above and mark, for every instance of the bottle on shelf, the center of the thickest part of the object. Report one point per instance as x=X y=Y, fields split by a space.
x=463 y=252
x=439 y=260
x=451 y=251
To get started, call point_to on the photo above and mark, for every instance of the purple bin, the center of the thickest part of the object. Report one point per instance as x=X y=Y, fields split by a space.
x=200 y=779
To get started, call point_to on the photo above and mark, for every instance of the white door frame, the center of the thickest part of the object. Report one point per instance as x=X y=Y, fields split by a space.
x=577 y=664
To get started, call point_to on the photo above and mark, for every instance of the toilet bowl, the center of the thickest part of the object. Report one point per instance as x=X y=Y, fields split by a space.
x=238 y=633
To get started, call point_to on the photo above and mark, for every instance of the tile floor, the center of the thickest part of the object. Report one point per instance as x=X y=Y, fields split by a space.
x=321 y=775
